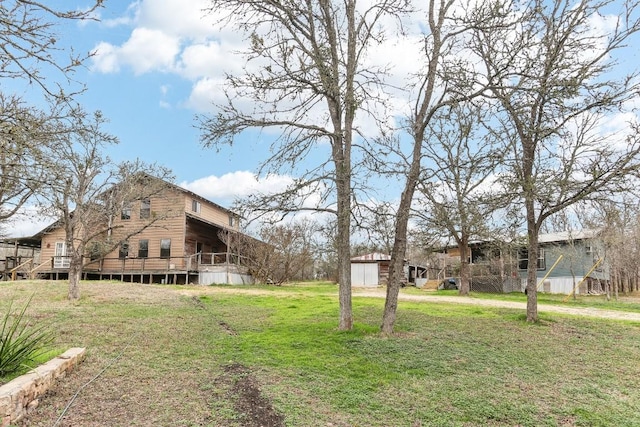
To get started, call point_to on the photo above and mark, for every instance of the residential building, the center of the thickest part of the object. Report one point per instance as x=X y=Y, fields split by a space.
x=566 y=260
x=187 y=242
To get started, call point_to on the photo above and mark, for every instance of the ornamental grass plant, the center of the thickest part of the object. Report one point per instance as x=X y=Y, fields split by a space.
x=21 y=341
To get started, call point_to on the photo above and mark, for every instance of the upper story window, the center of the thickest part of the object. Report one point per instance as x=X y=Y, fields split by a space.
x=195 y=206
x=145 y=208
x=126 y=211
x=232 y=221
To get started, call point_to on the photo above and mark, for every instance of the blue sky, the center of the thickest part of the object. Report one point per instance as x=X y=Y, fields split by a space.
x=154 y=68
x=158 y=63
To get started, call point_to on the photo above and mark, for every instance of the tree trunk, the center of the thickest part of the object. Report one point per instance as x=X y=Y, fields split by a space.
x=532 y=263
x=75 y=273
x=396 y=270
x=573 y=281
x=343 y=179
x=396 y=267
x=465 y=270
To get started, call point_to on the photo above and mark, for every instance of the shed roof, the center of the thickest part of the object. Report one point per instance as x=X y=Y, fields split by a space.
x=375 y=256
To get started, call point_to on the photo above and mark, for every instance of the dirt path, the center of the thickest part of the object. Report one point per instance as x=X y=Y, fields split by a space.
x=577 y=311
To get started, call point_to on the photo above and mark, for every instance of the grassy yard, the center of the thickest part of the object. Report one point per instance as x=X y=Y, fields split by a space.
x=198 y=356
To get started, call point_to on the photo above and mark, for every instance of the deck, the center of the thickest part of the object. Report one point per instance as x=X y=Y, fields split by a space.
x=201 y=268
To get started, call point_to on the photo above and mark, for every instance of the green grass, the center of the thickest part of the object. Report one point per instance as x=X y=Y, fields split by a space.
x=31 y=364
x=23 y=341
x=624 y=303
x=448 y=364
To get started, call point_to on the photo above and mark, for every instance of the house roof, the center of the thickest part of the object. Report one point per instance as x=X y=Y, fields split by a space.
x=22 y=241
x=546 y=238
x=197 y=196
x=565 y=236
x=375 y=256
x=176 y=187
x=211 y=223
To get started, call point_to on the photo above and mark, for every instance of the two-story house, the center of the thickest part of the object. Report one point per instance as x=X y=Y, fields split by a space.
x=189 y=243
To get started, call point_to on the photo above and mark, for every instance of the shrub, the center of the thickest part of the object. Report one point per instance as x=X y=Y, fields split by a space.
x=20 y=341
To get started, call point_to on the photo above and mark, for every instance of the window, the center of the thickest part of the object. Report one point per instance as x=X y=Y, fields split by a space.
x=94 y=250
x=231 y=221
x=124 y=250
x=145 y=208
x=143 y=248
x=126 y=211
x=165 y=248
x=195 y=206
x=61 y=260
x=523 y=259
x=542 y=265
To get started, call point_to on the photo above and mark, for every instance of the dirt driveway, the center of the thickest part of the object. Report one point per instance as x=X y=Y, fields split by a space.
x=577 y=311
x=381 y=293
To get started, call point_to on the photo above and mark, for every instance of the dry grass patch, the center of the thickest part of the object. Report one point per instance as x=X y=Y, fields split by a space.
x=214 y=356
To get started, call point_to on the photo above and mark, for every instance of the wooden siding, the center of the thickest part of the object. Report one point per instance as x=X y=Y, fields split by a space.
x=578 y=258
x=49 y=243
x=210 y=212
x=171 y=226
x=188 y=236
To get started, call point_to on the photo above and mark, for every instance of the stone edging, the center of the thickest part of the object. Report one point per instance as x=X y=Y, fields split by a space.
x=22 y=394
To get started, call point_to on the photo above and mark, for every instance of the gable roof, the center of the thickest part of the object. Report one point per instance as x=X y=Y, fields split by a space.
x=376 y=256
x=197 y=196
x=170 y=185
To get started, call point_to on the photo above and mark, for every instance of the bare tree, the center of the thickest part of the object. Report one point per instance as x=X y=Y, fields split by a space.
x=306 y=78
x=281 y=253
x=555 y=77
x=23 y=135
x=457 y=194
x=376 y=223
x=29 y=44
x=443 y=77
x=618 y=224
x=85 y=190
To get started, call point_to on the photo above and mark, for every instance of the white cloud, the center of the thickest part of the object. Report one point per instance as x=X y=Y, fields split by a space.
x=105 y=59
x=204 y=92
x=202 y=60
x=177 y=18
x=26 y=223
x=146 y=50
x=236 y=184
x=129 y=18
x=149 y=50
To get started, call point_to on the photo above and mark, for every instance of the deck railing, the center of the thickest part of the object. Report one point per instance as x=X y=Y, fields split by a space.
x=189 y=263
x=207 y=259
x=22 y=268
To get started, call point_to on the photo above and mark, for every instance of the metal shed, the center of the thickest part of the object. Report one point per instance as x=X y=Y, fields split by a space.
x=370 y=270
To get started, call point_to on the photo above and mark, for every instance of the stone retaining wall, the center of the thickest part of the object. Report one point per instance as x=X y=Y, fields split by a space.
x=22 y=394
